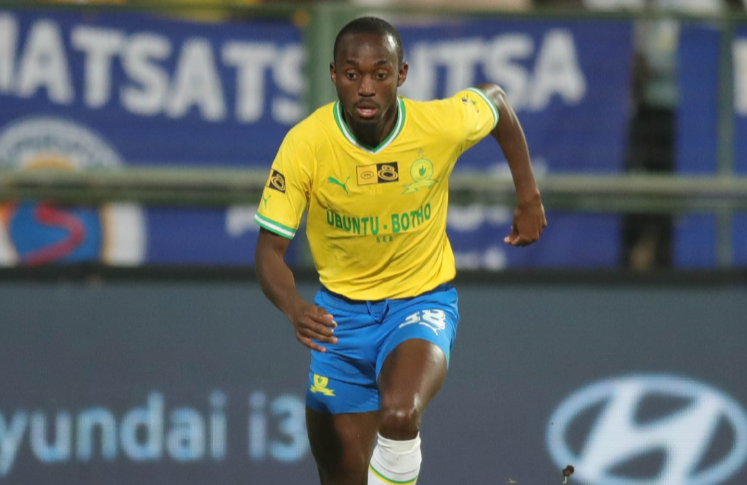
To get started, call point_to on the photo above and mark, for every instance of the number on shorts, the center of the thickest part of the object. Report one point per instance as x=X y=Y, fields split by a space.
x=433 y=319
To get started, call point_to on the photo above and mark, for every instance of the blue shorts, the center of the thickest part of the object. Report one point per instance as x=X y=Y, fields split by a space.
x=344 y=379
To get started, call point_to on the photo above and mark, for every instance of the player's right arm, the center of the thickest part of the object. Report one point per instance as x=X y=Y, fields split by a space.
x=284 y=200
x=278 y=284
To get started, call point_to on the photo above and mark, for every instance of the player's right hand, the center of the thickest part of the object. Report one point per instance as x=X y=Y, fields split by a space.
x=313 y=323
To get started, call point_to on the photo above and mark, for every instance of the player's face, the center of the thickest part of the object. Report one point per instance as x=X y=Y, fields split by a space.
x=367 y=74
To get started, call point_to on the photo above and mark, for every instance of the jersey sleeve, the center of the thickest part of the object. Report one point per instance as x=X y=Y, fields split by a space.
x=478 y=113
x=286 y=193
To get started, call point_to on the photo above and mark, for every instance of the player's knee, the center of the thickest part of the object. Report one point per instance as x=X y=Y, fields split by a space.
x=400 y=422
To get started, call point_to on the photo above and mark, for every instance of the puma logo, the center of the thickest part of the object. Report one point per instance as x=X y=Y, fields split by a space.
x=333 y=180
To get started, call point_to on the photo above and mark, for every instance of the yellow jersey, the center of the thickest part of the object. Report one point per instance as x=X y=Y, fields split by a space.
x=376 y=220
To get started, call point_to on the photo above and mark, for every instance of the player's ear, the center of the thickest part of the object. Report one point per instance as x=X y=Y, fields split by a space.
x=402 y=75
x=332 y=72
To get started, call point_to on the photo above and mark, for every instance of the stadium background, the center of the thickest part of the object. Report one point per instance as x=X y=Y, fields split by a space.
x=135 y=138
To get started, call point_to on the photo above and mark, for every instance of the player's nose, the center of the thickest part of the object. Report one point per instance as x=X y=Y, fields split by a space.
x=366 y=87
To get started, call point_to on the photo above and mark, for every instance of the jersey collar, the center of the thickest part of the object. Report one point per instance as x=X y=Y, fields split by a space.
x=340 y=120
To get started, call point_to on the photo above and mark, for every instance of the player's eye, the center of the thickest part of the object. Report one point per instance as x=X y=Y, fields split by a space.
x=351 y=75
x=381 y=75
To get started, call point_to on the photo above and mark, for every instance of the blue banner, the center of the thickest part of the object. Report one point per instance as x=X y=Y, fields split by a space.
x=696 y=143
x=103 y=91
x=127 y=235
x=158 y=91
x=695 y=241
x=567 y=81
x=572 y=240
x=569 y=84
x=740 y=100
x=739 y=229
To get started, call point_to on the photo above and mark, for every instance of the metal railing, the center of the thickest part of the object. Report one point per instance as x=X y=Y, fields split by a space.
x=221 y=187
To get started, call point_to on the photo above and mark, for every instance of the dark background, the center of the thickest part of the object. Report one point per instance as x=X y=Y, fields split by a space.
x=525 y=344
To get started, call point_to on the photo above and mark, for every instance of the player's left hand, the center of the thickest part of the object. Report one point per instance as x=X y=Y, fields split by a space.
x=529 y=221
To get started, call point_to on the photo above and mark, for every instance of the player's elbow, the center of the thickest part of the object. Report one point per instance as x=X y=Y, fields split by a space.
x=495 y=93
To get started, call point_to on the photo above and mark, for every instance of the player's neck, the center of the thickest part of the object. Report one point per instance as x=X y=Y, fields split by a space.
x=372 y=135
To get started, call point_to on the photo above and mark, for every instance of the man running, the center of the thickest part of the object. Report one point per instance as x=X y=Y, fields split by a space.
x=372 y=171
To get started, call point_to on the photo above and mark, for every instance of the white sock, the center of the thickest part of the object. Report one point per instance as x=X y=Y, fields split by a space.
x=395 y=462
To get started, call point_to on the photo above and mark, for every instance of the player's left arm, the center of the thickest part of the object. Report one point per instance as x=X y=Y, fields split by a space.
x=529 y=215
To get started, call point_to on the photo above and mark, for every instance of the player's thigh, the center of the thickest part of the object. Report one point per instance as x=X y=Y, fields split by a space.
x=342 y=445
x=412 y=374
x=342 y=422
x=412 y=365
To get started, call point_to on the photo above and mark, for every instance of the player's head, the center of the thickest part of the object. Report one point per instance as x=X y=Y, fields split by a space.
x=368 y=68
x=371 y=26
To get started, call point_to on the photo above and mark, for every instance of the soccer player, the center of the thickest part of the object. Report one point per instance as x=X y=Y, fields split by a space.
x=372 y=170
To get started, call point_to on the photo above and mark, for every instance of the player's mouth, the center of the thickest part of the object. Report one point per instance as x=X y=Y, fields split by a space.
x=366 y=111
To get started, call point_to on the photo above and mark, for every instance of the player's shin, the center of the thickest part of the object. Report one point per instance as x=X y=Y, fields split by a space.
x=395 y=462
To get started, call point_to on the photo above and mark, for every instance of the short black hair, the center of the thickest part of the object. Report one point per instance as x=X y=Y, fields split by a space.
x=373 y=26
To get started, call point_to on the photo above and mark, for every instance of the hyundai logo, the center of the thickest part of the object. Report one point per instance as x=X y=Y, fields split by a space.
x=687 y=435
